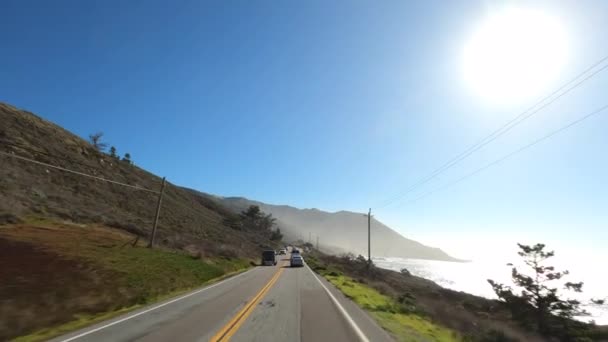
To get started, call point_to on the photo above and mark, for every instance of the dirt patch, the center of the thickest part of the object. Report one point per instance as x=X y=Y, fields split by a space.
x=39 y=289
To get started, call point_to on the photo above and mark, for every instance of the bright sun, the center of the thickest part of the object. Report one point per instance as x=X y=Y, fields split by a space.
x=514 y=55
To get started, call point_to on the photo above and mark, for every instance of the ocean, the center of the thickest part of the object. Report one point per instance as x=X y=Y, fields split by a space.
x=471 y=277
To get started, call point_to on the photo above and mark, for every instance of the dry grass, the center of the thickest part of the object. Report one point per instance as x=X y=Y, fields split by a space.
x=472 y=318
x=30 y=190
x=52 y=274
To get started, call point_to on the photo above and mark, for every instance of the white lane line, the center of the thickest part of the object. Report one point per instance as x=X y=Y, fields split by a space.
x=154 y=308
x=349 y=319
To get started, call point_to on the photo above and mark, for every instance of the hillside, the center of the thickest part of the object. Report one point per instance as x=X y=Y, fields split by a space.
x=189 y=219
x=340 y=232
x=73 y=248
x=31 y=190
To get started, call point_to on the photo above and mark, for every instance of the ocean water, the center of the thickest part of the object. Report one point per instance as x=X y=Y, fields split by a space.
x=471 y=277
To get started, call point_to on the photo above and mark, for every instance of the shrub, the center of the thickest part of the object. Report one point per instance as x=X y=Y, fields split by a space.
x=6 y=218
x=113 y=152
x=405 y=272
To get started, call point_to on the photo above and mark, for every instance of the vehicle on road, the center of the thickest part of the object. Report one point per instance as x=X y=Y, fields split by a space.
x=295 y=251
x=282 y=252
x=296 y=260
x=269 y=258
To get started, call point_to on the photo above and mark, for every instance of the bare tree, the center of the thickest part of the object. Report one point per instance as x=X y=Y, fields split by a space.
x=95 y=140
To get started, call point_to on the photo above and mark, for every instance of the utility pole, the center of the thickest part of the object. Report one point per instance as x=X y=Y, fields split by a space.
x=309 y=239
x=160 y=199
x=317 y=242
x=369 y=245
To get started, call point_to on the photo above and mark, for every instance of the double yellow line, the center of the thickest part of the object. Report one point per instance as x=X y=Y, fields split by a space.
x=235 y=323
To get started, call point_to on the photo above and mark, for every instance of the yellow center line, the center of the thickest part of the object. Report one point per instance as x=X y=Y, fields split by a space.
x=235 y=323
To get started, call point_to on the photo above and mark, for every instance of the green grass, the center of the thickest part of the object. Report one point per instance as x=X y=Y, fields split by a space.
x=83 y=320
x=153 y=272
x=365 y=296
x=80 y=322
x=389 y=314
x=411 y=327
x=136 y=275
x=154 y=275
x=149 y=272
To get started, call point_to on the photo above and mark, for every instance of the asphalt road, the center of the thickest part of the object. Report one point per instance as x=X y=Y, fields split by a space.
x=264 y=304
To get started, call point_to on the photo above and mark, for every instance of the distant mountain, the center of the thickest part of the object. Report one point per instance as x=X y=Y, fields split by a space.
x=339 y=232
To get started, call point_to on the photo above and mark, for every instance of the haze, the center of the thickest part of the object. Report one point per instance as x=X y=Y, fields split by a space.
x=329 y=106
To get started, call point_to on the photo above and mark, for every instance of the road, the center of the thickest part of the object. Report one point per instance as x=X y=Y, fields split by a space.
x=271 y=303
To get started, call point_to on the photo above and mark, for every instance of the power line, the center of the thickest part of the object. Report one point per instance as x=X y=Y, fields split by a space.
x=509 y=155
x=76 y=172
x=33 y=150
x=543 y=103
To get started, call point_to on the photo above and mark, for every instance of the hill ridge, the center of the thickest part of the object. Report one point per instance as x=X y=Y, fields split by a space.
x=32 y=191
x=386 y=242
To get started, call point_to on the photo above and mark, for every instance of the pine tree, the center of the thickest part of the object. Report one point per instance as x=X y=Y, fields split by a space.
x=127 y=158
x=113 y=152
x=539 y=303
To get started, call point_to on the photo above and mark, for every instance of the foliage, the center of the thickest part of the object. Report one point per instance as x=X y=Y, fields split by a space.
x=393 y=316
x=539 y=303
x=95 y=140
x=113 y=152
x=127 y=158
x=276 y=235
x=255 y=219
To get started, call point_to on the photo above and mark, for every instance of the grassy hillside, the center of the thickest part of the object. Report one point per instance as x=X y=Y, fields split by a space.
x=187 y=220
x=72 y=247
x=56 y=277
x=416 y=309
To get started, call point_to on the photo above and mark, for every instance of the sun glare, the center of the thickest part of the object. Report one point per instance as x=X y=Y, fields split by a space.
x=514 y=54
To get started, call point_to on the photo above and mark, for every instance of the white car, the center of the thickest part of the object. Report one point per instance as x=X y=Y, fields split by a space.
x=296 y=260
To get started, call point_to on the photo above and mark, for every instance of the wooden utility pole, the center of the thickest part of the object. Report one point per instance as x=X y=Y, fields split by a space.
x=160 y=199
x=369 y=245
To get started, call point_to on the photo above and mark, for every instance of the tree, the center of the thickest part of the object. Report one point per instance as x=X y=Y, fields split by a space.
x=276 y=235
x=539 y=302
x=267 y=222
x=255 y=219
x=251 y=217
x=127 y=158
x=113 y=152
x=95 y=140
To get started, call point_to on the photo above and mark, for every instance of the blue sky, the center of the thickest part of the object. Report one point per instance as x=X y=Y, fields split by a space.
x=334 y=105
